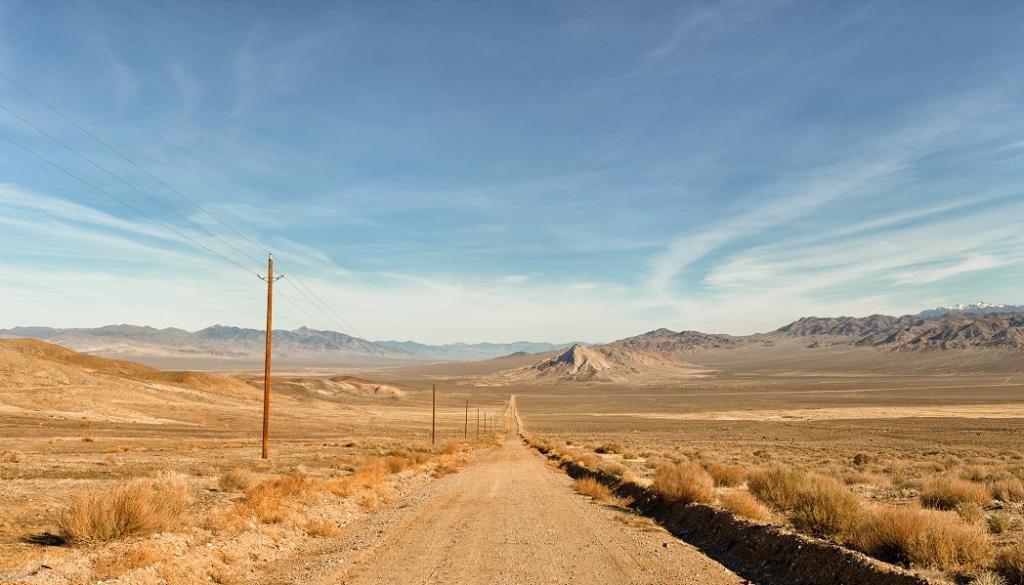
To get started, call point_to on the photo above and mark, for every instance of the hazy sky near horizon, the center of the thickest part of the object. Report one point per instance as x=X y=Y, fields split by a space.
x=465 y=171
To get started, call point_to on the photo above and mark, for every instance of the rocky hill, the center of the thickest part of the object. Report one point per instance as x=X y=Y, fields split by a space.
x=668 y=342
x=601 y=363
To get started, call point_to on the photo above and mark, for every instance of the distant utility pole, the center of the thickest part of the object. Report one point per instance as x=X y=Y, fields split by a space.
x=266 y=363
x=478 y=423
x=433 y=416
x=465 y=430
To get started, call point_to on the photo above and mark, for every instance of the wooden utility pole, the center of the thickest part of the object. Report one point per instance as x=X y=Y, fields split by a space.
x=433 y=416
x=478 y=423
x=465 y=430
x=266 y=363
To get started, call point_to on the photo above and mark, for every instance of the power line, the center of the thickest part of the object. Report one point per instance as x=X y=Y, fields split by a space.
x=129 y=160
x=156 y=200
x=323 y=306
x=122 y=202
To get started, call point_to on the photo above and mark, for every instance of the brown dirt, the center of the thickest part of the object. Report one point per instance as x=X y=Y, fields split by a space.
x=508 y=519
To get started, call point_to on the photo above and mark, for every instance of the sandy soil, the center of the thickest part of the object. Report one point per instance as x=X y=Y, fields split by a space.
x=509 y=519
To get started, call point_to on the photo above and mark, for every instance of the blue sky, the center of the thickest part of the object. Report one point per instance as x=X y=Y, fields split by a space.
x=473 y=171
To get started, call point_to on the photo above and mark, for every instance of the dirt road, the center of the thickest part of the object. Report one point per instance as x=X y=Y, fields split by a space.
x=507 y=519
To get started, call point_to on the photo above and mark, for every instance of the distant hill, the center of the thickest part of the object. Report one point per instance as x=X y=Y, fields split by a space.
x=601 y=363
x=238 y=343
x=950 y=331
x=668 y=342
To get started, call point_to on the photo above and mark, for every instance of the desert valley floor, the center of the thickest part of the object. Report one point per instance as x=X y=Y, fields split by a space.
x=354 y=492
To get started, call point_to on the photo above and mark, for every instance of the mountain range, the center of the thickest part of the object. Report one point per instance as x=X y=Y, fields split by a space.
x=980 y=325
x=949 y=331
x=226 y=342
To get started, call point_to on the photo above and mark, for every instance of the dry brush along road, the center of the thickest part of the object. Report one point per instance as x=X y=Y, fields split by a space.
x=509 y=519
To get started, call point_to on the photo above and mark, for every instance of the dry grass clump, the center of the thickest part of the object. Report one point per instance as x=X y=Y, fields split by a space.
x=1010 y=563
x=924 y=538
x=945 y=493
x=612 y=468
x=321 y=528
x=825 y=507
x=451 y=448
x=746 y=505
x=609 y=448
x=266 y=501
x=777 y=486
x=11 y=457
x=727 y=475
x=396 y=464
x=987 y=578
x=368 y=475
x=446 y=465
x=684 y=482
x=1007 y=490
x=589 y=486
x=135 y=509
x=588 y=460
x=115 y=564
x=236 y=479
x=999 y=522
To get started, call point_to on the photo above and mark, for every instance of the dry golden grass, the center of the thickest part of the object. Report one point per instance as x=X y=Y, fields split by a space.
x=446 y=465
x=11 y=457
x=117 y=563
x=1010 y=489
x=396 y=464
x=778 y=486
x=612 y=468
x=236 y=479
x=945 y=493
x=727 y=475
x=589 y=486
x=825 y=507
x=134 y=509
x=1010 y=563
x=923 y=538
x=321 y=528
x=999 y=522
x=746 y=505
x=267 y=500
x=684 y=482
x=987 y=578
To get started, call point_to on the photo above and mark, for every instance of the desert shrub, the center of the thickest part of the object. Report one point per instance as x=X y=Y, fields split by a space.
x=612 y=468
x=266 y=501
x=862 y=459
x=777 y=486
x=1007 y=490
x=446 y=465
x=368 y=474
x=235 y=480
x=684 y=482
x=970 y=512
x=974 y=474
x=321 y=528
x=944 y=493
x=115 y=564
x=135 y=509
x=588 y=460
x=396 y=464
x=11 y=457
x=999 y=522
x=825 y=507
x=925 y=538
x=451 y=448
x=727 y=475
x=987 y=578
x=746 y=505
x=1010 y=564
x=589 y=486
x=609 y=448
